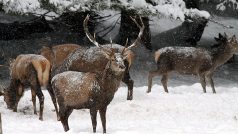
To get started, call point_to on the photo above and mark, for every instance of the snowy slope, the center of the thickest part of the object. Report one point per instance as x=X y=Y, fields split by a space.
x=185 y=110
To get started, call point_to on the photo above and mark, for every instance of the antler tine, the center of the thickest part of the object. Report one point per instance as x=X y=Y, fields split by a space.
x=90 y=37
x=111 y=41
x=125 y=46
x=135 y=22
x=112 y=50
x=140 y=33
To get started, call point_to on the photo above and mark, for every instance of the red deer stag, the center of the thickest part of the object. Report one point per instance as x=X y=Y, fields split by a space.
x=93 y=60
x=27 y=70
x=190 y=60
x=91 y=90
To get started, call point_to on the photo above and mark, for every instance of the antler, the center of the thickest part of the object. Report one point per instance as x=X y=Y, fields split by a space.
x=125 y=46
x=140 y=33
x=90 y=37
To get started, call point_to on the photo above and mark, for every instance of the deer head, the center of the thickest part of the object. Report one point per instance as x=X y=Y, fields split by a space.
x=109 y=53
x=233 y=44
x=221 y=38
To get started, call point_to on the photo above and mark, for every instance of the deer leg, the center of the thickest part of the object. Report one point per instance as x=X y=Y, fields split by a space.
x=41 y=98
x=33 y=95
x=203 y=82
x=164 y=82
x=19 y=94
x=93 y=113
x=129 y=82
x=103 y=118
x=52 y=95
x=150 y=77
x=211 y=83
x=64 y=115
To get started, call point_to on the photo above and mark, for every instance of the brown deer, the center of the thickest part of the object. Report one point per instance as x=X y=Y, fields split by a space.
x=91 y=90
x=190 y=60
x=93 y=60
x=58 y=53
x=27 y=70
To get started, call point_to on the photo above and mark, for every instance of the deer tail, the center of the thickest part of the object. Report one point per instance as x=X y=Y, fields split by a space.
x=157 y=56
x=43 y=71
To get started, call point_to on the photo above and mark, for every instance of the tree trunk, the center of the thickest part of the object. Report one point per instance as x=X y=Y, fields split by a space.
x=192 y=4
x=128 y=29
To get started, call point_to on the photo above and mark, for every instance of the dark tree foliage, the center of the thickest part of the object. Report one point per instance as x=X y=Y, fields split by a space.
x=18 y=30
x=192 y=4
x=74 y=21
x=1 y=7
x=128 y=29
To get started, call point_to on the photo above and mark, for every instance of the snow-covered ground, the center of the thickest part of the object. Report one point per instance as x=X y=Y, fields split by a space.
x=185 y=110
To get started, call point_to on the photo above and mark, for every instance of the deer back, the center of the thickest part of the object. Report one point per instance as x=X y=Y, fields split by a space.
x=185 y=60
x=24 y=65
x=77 y=88
x=57 y=54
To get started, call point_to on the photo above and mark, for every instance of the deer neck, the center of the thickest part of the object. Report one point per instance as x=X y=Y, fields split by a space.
x=110 y=80
x=221 y=55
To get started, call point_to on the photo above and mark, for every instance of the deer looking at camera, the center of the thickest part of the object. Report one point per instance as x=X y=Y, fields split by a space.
x=190 y=60
x=91 y=90
x=94 y=91
x=92 y=59
x=27 y=70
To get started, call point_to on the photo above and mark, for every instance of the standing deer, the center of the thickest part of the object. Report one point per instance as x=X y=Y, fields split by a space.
x=190 y=60
x=27 y=70
x=93 y=60
x=94 y=91
x=91 y=90
x=57 y=54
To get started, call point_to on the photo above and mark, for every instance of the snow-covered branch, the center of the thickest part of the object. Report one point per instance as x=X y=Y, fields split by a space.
x=175 y=9
x=223 y=4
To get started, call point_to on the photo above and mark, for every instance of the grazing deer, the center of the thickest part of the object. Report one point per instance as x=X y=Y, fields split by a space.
x=190 y=60
x=93 y=60
x=27 y=70
x=91 y=90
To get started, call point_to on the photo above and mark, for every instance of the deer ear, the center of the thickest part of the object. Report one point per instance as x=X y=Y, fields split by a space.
x=109 y=55
x=217 y=39
x=233 y=38
x=129 y=56
x=220 y=36
x=1 y=93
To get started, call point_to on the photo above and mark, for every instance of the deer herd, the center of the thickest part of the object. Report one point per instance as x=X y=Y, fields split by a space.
x=87 y=78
